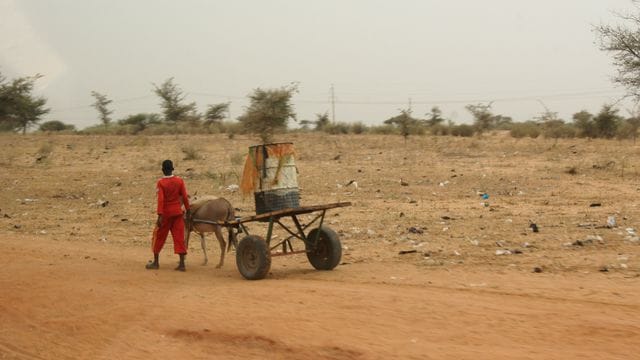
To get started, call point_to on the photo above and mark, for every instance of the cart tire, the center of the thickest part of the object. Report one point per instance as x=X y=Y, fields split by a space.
x=328 y=251
x=253 y=258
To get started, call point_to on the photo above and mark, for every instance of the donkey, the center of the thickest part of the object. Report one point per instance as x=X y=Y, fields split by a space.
x=203 y=217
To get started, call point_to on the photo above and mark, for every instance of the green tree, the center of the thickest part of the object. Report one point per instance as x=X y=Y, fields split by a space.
x=584 y=123
x=55 y=125
x=623 y=42
x=216 y=113
x=172 y=102
x=322 y=121
x=606 y=122
x=101 y=104
x=269 y=111
x=404 y=122
x=434 y=117
x=19 y=108
x=483 y=118
x=139 y=122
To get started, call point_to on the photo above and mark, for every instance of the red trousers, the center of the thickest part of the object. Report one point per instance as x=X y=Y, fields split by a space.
x=175 y=224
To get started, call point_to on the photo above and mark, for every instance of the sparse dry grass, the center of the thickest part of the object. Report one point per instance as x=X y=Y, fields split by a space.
x=526 y=180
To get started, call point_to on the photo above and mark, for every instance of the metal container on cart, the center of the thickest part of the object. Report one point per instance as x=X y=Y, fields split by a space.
x=271 y=168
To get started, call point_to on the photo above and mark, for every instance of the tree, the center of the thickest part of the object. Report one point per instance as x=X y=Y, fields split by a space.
x=216 y=113
x=405 y=123
x=434 y=117
x=322 y=121
x=19 y=108
x=483 y=118
x=623 y=41
x=304 y=124
x=139 y=122
x=101 y=105
x=55 y=125
x=583 y=121
x=172 y=99
x=606 y=122
x=269 y=111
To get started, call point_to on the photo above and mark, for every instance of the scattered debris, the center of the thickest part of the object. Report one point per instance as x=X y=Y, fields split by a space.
x=233 y=188
x=352 y=182
x=595 y=205
x=445 y=217
x=403 y=183
x=537 y=269
x=605 y=166
x=337 y=157
x=415 y=230
x=499 y=244
x=401 y=214
x=102 y=203
x=17 y=226
x=534 y=227
x=611 y=222
x=590 y=239
x=604 y=269
x=403 y=252
x=503 y=252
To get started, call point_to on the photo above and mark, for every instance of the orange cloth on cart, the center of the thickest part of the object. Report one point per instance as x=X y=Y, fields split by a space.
x=254 y=163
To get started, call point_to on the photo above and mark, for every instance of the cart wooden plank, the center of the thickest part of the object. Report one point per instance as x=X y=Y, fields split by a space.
x=277 y=214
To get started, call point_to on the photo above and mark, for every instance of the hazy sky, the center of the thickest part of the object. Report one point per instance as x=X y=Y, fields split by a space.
x=377 y=54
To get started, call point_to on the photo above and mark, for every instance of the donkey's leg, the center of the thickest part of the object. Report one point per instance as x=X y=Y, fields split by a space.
x=204 y=249
x=222 y=243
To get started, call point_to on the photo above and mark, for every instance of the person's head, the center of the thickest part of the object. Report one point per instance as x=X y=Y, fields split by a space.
x=167 y=167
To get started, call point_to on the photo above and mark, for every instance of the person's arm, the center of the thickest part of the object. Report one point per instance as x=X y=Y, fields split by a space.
x=160 y=203
x=185 y=197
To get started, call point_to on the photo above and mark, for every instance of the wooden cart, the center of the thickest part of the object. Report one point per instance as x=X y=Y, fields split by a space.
x=321 y=244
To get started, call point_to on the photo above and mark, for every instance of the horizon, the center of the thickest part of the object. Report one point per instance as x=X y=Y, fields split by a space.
x=377 y=57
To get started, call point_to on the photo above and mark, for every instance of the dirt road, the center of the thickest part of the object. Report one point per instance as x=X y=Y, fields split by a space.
x=64 y=300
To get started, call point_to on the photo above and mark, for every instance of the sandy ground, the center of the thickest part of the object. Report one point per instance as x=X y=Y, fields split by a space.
x=76 y=215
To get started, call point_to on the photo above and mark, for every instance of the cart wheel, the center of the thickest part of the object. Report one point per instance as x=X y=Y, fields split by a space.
x=253 y=258
x=328 y=251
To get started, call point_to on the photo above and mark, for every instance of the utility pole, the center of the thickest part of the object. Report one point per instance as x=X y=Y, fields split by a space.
x=409 y=105
x=333 y=105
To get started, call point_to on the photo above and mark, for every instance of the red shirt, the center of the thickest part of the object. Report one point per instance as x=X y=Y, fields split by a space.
x=171 y=195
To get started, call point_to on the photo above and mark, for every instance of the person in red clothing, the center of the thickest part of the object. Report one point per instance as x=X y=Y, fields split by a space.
x=172 y=195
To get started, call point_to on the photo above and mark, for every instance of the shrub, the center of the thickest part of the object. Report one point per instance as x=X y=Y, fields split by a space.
x=191 y=153
x=383 y=130
x=526 y=129
x=56 y=125
x=336 y=128
x=358 y=128
x=439 y=129
x=462 y=130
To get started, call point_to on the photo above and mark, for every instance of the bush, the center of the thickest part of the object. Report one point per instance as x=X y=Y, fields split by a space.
x=383 y=130
x=439 y=129
x=562 y=131
x=462 y=130
x=526 y=129
x=336 y=128
x=191 y=153
x=56 y=125
x=359 y=128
